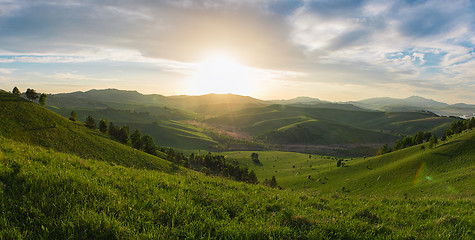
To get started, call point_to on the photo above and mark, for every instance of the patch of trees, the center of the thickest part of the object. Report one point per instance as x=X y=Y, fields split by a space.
x=213 y=164
x=271 y=183
x=456 y=127
x=31 y=95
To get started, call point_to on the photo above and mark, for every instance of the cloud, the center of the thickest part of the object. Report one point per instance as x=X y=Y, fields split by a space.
x=6 y=71
x=358 y=42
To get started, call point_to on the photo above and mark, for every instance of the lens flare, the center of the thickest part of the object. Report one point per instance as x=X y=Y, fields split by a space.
x=419 y=170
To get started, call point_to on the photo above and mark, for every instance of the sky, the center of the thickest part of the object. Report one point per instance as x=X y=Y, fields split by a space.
x=336 y=50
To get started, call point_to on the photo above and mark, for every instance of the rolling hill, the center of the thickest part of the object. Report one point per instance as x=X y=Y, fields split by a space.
x=60 y=180
x=444 y=171
x=30 y=123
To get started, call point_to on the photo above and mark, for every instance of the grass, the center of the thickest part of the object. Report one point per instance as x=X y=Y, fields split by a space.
x=46 y=194
x=445 y=171
x=27 y=122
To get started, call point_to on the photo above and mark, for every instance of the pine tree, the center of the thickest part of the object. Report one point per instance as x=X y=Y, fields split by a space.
x=103 y=126
x=273 y=182
x=432 y=141
x=136 y=139
x=148 y=144
x=90 y=122
x=124 y=134
x=74 y=116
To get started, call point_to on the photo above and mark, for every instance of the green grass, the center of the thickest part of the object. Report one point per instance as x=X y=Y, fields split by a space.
x=446 y=170
x=46 y=194
x=30 y=123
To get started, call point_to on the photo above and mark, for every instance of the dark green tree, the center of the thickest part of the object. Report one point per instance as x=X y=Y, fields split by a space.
x=16 y=91
x=338 y=164
x=136 y=139
x=103 y=124
x=124 y=134
x=113 y=130
x=90 y=122
x=252 y=177
x=148 y=144
x=432 y=141
x=383 y=150
x=255 y=158
x=74 y=116
x=31 y=94
x=273 y=182
x=42 y=100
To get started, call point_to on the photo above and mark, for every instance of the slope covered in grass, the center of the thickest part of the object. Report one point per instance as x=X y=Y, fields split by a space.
x=45 y=194
x=445 y=170
x=30 y=123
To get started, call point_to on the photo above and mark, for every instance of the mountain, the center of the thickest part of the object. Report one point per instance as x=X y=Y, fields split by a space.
x=416 y=103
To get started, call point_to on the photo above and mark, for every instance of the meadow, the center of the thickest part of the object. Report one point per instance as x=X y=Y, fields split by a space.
x=61 y=180
x=50 y=195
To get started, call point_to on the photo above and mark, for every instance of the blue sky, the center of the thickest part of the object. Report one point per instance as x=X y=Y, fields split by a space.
x=336 y=50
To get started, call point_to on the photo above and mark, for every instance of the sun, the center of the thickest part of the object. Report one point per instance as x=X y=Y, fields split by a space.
x=221 y=73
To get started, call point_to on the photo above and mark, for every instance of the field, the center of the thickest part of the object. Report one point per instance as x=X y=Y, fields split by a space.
x=61 y=180
x=50 y=195
x=445 y=170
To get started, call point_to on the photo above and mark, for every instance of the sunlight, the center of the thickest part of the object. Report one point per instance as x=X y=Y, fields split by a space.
x=222 y=73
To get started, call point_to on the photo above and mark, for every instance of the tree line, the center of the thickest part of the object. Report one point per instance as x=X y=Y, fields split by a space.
x=31 y=95
x=457 y=126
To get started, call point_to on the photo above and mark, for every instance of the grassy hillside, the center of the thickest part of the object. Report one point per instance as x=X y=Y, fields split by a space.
x=30 y=123
x=446 y=170
x=307 y=129
x=45 y=194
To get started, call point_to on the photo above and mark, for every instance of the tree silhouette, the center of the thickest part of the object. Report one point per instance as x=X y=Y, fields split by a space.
x=16 y=91
x=31 y=94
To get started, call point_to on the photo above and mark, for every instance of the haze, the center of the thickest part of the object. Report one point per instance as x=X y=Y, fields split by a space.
x=270 y=49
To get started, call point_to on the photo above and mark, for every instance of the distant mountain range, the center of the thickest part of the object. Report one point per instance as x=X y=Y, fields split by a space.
x=212 y=104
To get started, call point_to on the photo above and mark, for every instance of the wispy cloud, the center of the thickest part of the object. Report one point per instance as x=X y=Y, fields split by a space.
x=416 y=44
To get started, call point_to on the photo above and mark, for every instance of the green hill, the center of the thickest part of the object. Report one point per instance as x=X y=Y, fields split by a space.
x=30 y=123
x=446 y=170
x=307 y=129
x=45 y=194
x=60 y=180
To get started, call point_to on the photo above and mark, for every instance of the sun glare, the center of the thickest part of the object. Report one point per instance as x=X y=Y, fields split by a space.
x=221 y=73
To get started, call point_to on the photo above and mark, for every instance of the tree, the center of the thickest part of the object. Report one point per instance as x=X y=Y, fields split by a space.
x=253 y=177
x=103 y=126
x=383 y=150
x=90 y=122
x=16 y=91
x=273 y=182
x=113 y=130
x=136 y=139
x=124 y=134
x=148 y=144
x=42 y=100
x=255 y=158
x=74 y=116
x=432 y=141
x=31 y=94
x=338 y=164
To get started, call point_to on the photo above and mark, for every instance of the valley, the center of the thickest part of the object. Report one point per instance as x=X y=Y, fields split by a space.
x=76 y=182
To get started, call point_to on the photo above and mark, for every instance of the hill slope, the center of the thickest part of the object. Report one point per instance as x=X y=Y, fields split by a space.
x=30 y=123
x=49 y=195
x=446 y=170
